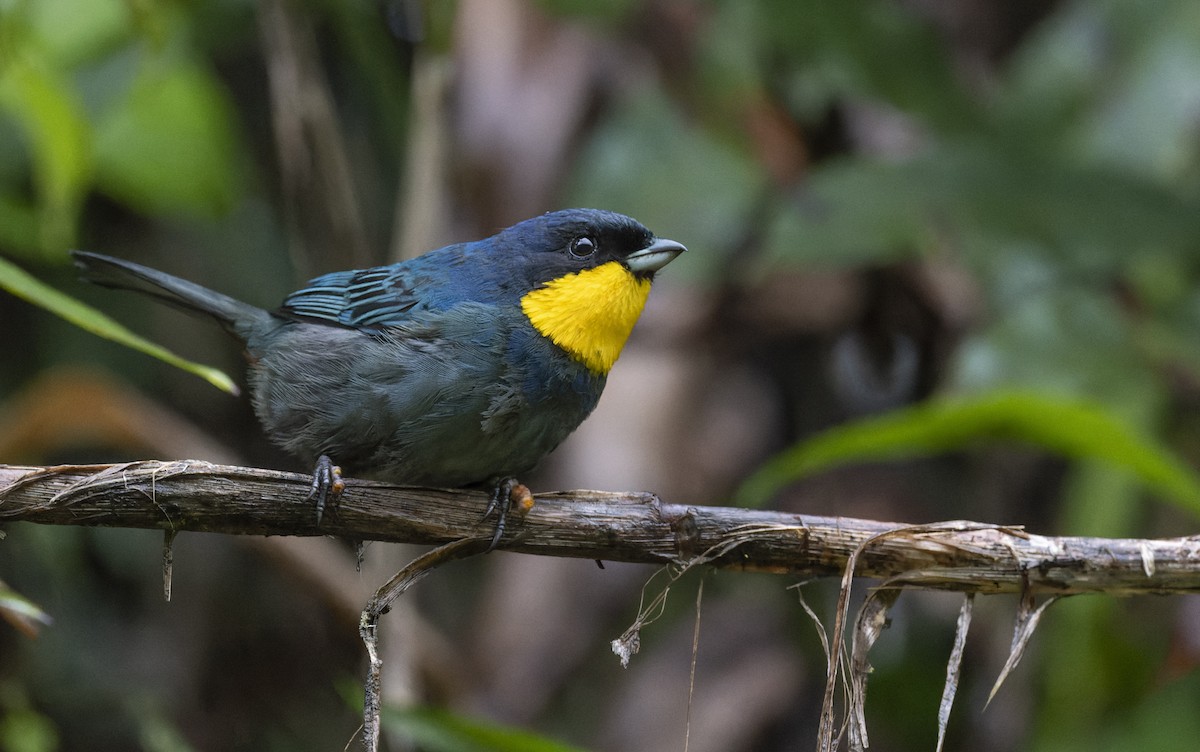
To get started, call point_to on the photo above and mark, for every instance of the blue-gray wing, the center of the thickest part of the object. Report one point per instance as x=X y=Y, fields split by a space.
x=384 y=296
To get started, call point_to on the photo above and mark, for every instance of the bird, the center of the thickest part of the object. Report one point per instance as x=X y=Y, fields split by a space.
x=461 y=367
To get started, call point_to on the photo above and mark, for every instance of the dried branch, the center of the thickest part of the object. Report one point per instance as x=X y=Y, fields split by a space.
x=631 y=527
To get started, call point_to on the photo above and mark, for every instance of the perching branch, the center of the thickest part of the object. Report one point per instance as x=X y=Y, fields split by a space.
x=631 y=527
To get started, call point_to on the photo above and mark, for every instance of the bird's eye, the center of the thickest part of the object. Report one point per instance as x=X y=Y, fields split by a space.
x=582 y=247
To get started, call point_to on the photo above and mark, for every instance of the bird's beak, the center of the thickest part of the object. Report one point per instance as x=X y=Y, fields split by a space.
x=654 y=256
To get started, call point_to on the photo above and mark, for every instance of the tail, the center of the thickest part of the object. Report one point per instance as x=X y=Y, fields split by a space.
x=238 y=318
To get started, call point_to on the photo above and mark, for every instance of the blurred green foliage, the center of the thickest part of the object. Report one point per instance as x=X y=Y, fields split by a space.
x=436 y=730
x=111 y=97
x=1072 y=429
x=19 y=283
x=1056 y=159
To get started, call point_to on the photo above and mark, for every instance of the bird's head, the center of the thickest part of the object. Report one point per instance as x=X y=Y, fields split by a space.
x=589 y=276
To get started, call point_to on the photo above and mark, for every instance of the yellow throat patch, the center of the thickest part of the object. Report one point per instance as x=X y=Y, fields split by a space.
x=590 y=313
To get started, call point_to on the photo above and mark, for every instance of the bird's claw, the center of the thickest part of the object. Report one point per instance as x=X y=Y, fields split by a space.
x=327 y=485
x=505 y=494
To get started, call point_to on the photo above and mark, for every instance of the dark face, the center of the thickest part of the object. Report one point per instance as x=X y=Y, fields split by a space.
x=574 y=240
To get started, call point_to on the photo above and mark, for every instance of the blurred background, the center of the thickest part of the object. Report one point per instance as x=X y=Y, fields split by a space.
x=885 y=202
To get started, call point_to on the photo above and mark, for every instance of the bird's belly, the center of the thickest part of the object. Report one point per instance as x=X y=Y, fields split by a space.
x=459 y=453
x=416 y=412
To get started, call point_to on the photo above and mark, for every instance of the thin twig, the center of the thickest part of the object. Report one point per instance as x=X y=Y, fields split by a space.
x=687 y=732
x=380 y=603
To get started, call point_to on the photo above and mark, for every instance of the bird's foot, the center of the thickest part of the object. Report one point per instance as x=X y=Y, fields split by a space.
x=327 y=485
x=506 y=493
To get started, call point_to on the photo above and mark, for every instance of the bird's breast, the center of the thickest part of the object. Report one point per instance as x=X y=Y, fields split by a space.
x=589 y=314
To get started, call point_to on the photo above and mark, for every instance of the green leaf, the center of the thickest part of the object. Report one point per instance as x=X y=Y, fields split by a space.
x=439 y=730
x=25 y=730
x=169 y=145
x=1074 y=429
x=19 y=225
x=985 y=196
x=47 y=110
x=866 y=50
x=646 y=160
x=21 y=611
x=71 y=32
x=21 y=284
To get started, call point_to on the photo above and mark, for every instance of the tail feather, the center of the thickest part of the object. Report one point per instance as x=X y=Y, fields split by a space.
x=240 y=319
